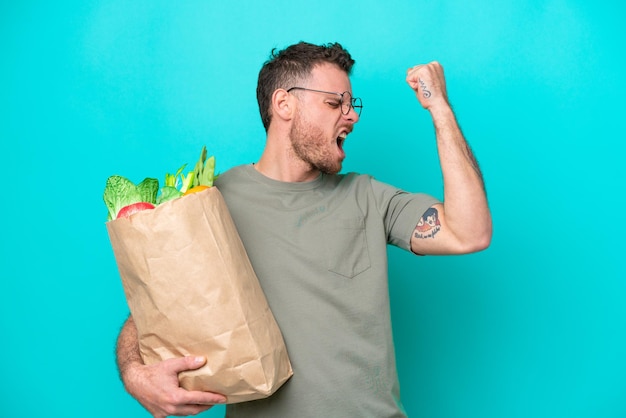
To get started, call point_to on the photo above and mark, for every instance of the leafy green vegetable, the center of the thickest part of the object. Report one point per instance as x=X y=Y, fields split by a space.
x=204 y=171
x=171 y=180
x=187 y=182
x=168 y=193
x=148 y=190
x=179 y=180
x=120 y=192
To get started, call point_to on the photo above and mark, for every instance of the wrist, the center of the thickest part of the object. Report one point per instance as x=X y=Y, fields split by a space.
x=440 y=108
x=442 y=114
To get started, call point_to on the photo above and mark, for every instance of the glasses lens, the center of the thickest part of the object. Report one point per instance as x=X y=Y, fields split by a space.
x=357 y=105
x=346 y=102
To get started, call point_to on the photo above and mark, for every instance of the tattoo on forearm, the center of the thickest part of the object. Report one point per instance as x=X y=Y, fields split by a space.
x=426 y=93
x=428 y=225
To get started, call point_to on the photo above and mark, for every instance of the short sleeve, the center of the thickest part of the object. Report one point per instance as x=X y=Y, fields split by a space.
x=401 y=211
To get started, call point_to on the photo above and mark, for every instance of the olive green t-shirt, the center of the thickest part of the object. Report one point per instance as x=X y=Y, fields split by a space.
x=319 y=251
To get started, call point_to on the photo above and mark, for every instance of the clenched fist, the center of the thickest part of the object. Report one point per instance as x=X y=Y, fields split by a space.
x=429 y=84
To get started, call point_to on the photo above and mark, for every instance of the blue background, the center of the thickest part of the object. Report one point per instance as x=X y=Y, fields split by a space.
x=533 y=327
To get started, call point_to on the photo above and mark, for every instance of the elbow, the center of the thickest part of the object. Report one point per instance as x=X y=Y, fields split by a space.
x=482 y=243
x=481 y=240
x=478 y=241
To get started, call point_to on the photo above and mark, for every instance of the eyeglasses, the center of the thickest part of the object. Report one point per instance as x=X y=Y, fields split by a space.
x=347 y=101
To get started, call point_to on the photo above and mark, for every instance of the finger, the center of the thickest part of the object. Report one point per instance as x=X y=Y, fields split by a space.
x=411 y=76
x=177 y=365
x=195 y=397
x=410 y=73
x=187 y=410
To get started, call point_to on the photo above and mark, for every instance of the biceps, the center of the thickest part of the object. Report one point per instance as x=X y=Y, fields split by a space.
x=431 y=234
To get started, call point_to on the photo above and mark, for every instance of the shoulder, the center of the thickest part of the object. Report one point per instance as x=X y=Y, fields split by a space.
x=233 y=174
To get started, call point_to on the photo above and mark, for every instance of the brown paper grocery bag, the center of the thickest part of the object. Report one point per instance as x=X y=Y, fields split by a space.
x=191 y=290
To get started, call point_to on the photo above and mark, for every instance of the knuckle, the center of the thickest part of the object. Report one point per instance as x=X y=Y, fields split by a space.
x=170 y=409
x=178 y=398
x=172 y=401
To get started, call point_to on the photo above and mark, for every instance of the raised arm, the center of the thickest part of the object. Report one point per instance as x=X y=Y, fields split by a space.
x=462 y=224
x=156 y=386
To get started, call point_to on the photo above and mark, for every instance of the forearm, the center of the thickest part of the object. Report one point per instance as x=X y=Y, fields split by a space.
x=127 y=349
x=156 y=386
x=465 y=201
x=462 y=224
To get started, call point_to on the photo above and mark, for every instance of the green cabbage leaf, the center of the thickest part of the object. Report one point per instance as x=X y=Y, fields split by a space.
x=120 y=192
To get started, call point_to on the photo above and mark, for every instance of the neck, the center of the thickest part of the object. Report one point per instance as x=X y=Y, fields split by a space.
x=279 y=161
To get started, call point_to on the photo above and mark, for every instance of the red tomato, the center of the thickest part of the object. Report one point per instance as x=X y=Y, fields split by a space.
x=126 y=211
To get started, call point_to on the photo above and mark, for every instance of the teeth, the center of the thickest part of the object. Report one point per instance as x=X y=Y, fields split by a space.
x=341 y=139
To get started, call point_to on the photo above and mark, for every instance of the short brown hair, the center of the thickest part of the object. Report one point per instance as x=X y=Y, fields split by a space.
x=292 y=65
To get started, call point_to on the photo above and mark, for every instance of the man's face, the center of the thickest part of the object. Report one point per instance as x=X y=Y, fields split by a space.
x=319 y=127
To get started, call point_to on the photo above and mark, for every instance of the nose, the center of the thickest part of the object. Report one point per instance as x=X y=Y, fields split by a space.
x=352 y=116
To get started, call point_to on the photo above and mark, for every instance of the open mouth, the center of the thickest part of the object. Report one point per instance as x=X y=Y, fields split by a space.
x=341 y=139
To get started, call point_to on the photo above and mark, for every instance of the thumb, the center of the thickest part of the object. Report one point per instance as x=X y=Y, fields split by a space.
x=177 y=365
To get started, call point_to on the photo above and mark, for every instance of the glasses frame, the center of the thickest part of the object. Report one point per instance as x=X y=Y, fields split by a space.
x=355 y=102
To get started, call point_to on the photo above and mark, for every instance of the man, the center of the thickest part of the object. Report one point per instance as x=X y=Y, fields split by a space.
x=317 y=241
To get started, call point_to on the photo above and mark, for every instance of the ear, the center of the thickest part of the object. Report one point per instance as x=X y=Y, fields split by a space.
x=283 y=104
